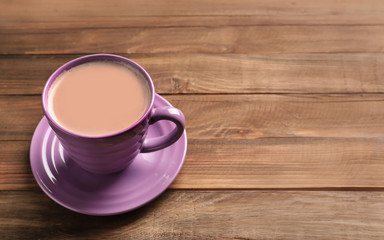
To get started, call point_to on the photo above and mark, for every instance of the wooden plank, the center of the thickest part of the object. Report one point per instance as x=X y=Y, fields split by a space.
x=15 y=170
x=268 y=163
x=19 y=117
x=204 y=215
x=205 y=73
x=239 y=116
x=73 y=14
x=278 y=163
x=257 y=141
x=282 y=116
x=214 y=40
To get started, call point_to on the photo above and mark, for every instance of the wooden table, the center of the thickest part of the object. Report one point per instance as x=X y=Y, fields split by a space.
x=284 y=102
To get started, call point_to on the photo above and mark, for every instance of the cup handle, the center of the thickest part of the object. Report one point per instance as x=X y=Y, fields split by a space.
x=165 y=113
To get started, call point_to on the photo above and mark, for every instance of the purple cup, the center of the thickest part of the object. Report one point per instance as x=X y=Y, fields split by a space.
x=114 y=152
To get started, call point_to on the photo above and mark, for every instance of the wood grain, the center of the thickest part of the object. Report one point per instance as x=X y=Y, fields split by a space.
x=15 y=112
x=282 y=116
x=277 y=95
x=235 y=73
x=15 y=169
x=87 y=14
x=256 y=141
x=214 y=40
x=204 y=215
x=280 y=163
x=274 y=163
x=240 y=116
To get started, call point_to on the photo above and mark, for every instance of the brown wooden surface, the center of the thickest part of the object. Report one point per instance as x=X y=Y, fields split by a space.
x=23 y=14
x=276 y=141
x=284 y=102
x=209 y=40
x=227 y=73
x=204 y=215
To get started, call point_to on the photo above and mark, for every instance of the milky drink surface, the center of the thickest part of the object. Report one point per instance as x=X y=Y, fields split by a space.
x=98 y=98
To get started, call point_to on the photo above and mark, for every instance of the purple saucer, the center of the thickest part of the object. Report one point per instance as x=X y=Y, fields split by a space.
x=81 y=191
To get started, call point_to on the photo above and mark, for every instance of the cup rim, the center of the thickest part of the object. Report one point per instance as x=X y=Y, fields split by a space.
x=90 y=58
